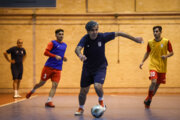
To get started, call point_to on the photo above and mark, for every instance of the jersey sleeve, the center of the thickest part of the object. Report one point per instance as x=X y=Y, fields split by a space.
x=9 y=50
x=82 y=42
x=148 y=48
x=48 y=49
x=24 y=52
x=108 y=36
x=170 y=47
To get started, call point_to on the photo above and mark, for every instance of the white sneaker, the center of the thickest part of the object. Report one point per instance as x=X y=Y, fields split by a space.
x=79 y=112
x=17 y=96
x=104 y=108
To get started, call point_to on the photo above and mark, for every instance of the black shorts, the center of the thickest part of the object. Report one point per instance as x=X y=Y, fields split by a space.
x=17 y=71
x=90 y=76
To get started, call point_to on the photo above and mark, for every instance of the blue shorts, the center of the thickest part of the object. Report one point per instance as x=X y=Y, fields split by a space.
x=90 y=76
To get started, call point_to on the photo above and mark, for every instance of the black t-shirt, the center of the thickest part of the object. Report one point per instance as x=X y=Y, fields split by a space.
x=94 y=50
x=17 y=54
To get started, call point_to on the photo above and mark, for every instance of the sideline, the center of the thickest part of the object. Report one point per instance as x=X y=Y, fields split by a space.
x=16 y=101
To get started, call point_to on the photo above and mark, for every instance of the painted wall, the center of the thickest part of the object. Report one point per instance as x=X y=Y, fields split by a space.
x=121 y=77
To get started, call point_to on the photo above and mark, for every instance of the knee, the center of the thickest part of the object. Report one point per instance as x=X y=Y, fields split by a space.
x=97 y=86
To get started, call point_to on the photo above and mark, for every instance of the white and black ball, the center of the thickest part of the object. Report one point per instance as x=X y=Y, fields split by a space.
x=97 y=111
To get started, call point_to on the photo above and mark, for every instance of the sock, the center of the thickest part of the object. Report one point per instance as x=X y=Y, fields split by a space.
x=101 y=98
x=150 y=94
x=81 y=106
x=49 y=99
x=16 y=92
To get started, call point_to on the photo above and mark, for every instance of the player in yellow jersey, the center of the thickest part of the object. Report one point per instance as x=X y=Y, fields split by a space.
x=157 y=49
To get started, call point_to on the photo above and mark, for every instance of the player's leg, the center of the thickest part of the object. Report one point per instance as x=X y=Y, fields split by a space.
x=99 y=78
x=82 y=99
x=45 y=75
x=153 y=78
x=156 y=88
x=41 y=83
x=55 y=78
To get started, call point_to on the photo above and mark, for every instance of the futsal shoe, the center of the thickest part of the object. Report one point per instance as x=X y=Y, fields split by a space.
x=147 y=103
x=28 y=95
x=49 y=104
x=79 y=112
x=102 y=104
x=17 y=96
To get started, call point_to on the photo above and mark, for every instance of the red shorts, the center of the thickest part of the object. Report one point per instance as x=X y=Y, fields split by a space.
x=49 y=72
x=160 y=77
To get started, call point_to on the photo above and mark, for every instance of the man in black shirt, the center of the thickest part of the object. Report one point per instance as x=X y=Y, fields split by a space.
x=18 y=55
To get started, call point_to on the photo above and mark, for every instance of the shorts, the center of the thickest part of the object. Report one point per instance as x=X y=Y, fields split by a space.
x=160 y=77
x=17 y=71
x=52 y=73
x=89 y=76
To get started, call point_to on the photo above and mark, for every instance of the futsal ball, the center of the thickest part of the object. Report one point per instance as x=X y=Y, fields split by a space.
x=97 y=111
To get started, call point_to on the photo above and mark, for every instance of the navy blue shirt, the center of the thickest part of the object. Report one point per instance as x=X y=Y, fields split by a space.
x=17 y=54
x=94 y=50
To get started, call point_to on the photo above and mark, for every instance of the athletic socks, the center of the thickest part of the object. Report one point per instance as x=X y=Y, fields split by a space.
x=49 y=99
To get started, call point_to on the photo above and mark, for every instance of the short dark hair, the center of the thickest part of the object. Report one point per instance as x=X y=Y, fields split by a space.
x=159 y=27
x=90 y=25
x=59 y=30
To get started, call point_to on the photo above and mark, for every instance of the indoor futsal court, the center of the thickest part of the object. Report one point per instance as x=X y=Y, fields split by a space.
x=119 y=107
x=34 y=29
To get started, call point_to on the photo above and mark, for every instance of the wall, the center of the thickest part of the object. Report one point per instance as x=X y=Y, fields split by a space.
x=136 y=17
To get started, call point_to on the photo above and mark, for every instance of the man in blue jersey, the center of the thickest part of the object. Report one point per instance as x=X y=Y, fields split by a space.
x=53 y=66
x=94 y=61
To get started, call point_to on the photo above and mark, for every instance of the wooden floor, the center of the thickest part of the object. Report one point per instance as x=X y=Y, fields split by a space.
x=119 y=107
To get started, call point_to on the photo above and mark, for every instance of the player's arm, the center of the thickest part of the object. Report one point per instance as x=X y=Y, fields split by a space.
x=7 y=58
x=146 y=55
x=65 y=59
x=79 y=54
x=171 y=53
x=24 y=57
x=49 y=54
x=135 y=39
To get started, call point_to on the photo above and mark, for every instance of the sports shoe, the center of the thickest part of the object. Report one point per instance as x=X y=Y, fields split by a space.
x=79 y=112
x=28 y=95
x=147 y=103
x=102 y=104
x=49 y=104
x=17 y=96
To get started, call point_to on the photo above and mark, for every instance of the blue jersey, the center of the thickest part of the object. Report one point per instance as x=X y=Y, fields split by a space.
x=94 y=50
x=58 y=49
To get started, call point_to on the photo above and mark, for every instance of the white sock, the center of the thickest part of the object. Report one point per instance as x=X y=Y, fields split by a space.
x=16 y=92
x=49 y=99
x=101 y=98
x=81 y=106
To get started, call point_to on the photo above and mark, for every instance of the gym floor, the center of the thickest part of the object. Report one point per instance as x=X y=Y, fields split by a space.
x=119 y=107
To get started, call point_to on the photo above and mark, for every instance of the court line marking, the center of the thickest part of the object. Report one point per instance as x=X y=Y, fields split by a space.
x=16 y=101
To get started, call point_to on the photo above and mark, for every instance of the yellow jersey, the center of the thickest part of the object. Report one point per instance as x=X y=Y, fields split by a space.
x=157 y=49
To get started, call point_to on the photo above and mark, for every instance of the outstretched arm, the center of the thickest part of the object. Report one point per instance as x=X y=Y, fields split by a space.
x=135 y=39
x=79 y=54
x=144 y=59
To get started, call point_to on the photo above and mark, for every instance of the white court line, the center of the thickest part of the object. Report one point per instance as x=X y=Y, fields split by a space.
x=16 y=101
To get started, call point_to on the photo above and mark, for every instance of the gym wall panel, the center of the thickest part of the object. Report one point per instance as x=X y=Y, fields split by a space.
x=158 y=5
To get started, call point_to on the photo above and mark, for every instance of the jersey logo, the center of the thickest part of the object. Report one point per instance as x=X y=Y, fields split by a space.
x=88 y=45
x=45 y=75
x=21 y=52
x=99 y=44
x=162 y=45
x=17 y=52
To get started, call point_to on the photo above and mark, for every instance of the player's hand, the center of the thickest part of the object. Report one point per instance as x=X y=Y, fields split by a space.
x=64 y=59
x=140 y=66
x=82 y=57
x=163 y=57
x=12 y=61
x=139 y=40
x=58 y=57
